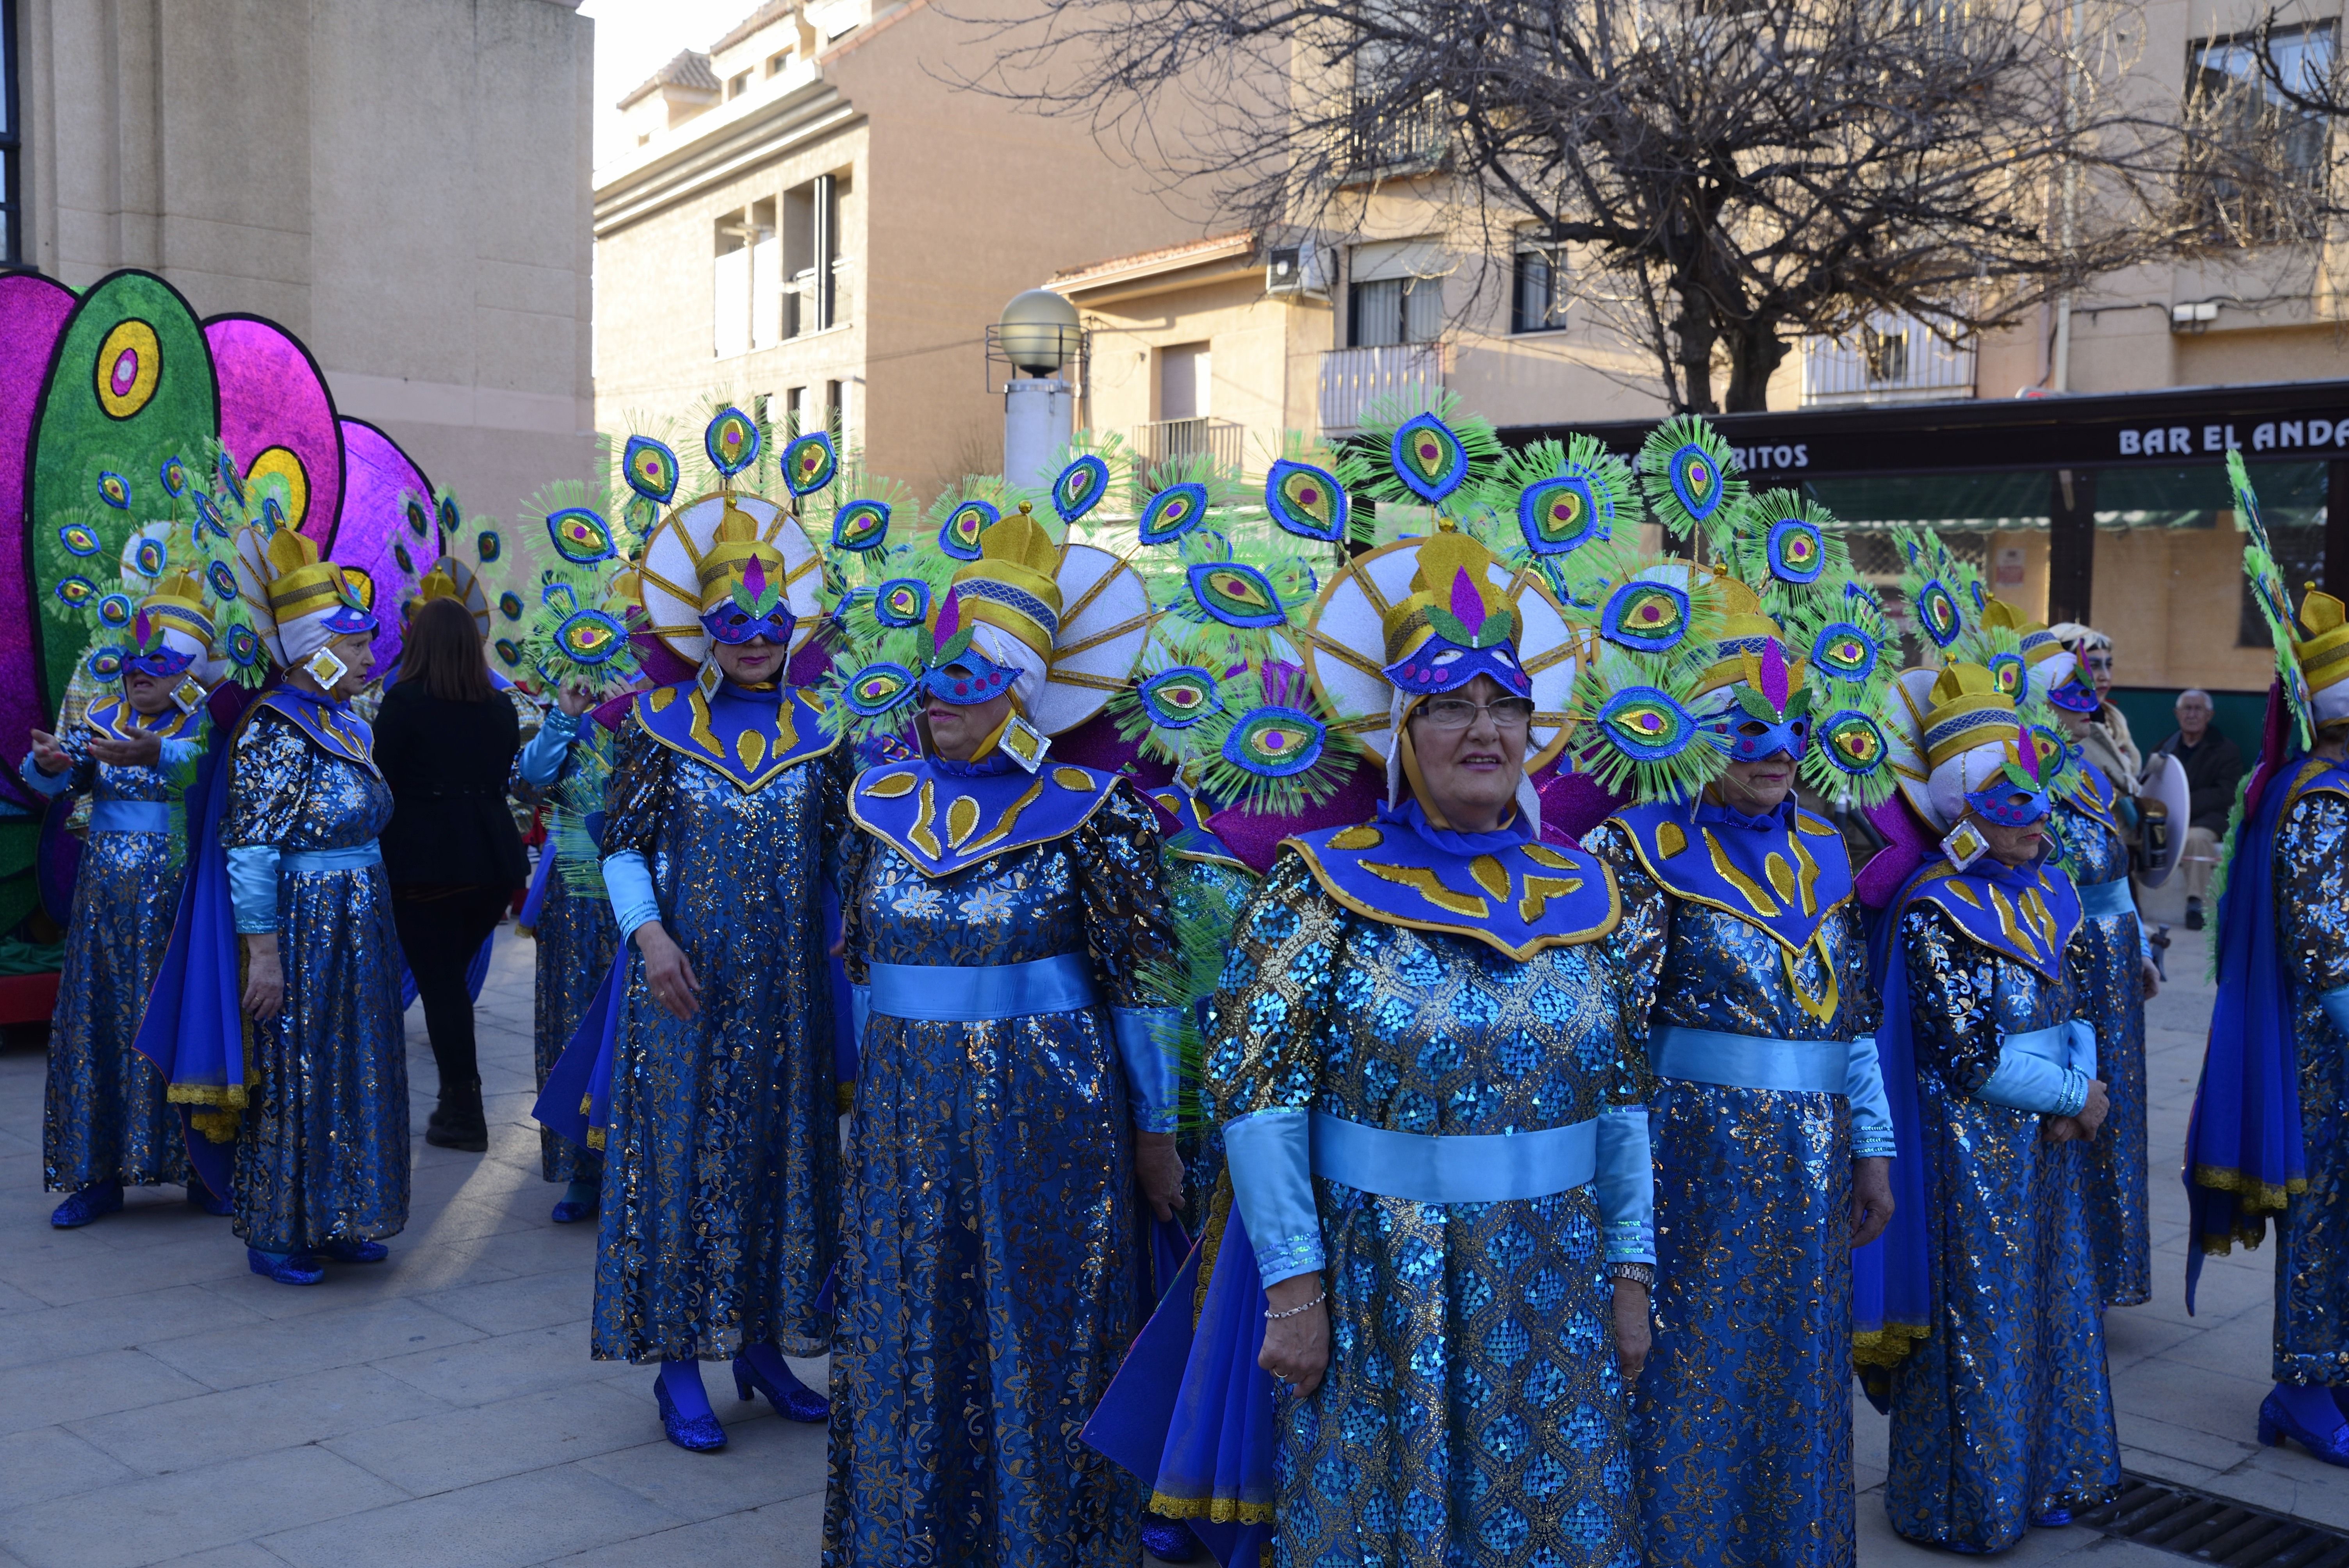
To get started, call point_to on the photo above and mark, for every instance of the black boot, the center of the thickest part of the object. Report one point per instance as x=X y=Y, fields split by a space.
x=2193 y=914
x=457 y=1122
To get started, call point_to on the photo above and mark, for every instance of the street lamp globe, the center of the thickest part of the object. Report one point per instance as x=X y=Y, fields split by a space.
x=1039 y=332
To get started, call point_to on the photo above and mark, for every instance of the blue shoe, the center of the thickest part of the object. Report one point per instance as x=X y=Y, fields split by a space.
x=203 y=1198
x=1168 y=1540
x=355 y=1252
x=2054 y=1519
x=700 y=1435
x=2277 y=1422
x=294 y=1268
x=795 y=1401
x=91 y=1203
x=572 y=1208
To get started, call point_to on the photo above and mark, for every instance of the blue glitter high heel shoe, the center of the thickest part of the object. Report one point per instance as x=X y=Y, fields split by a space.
x=2054 y=1519
x=90 y=1203
x=355 y=1252
x=294 y=1268
x=1168 y=1540
x=570 y=1208
x=2277 y=1422
x=701 y=1434
x=794 y=1402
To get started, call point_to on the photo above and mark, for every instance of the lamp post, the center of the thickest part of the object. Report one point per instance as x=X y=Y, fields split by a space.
x=1038 y=336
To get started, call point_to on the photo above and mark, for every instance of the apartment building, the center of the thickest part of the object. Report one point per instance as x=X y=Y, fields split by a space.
x=810 y=216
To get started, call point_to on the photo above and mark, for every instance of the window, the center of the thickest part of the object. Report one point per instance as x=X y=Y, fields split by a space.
x=730 y=281
x=778 y=63
x=1394 y=310
x=835 y=412
x=1538 y=299
x=1184 y=374
x=739 y=85
x=795 y=411
x=2257 y=170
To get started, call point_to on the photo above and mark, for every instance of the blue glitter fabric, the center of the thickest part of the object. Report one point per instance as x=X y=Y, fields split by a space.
x=1474 y=1410
x=576 y=941
x=106 y=1117
x=2089 y=851
x=721 y=1165
x=986 y=1271
x=1740 y=1424
x=2004 y=1409
x=324 y=1152
x=2312 y=910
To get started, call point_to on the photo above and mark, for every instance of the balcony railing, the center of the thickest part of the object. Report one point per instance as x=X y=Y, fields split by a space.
x=1374 y=142
x=809 y=306
x=1172 y=440
x=1890 y=359
x=1353 y=379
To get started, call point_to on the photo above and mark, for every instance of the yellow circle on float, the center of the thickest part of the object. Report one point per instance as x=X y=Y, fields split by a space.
x=130 y=363
x=280 y=461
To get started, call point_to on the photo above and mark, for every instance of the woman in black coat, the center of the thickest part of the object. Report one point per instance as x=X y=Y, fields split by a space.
x=445 y=739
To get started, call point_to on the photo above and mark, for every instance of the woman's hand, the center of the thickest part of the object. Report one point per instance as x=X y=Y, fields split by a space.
x=2092 y=1115
x=1871 y=1198
x=1159 y=1170
x=143 y=751
x=1295 y=1350
x=2151 y=976
x=668 y=974
x=47 y=756
x=265 y=977
x=574 y=700
x=1631 y=1337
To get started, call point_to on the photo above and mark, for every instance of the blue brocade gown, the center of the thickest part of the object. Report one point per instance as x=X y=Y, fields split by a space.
x=987 y=1287
x=1741 y=1420
x=2091 y=851
x=721 y=1161
x=2312 y=912
x=1474 y=1410
x=107 y=1116
x=324 y=1152
x=2003 y=1411
x=577 y=940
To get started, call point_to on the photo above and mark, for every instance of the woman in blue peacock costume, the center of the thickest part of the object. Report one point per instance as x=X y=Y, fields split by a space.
x=1980 y=1306
x=1006 y=925
x=1745 y=962
x=322 y=1162
x=108 y=1122
x=2091 y=848
x=713 y=1099
x=2269 y=1134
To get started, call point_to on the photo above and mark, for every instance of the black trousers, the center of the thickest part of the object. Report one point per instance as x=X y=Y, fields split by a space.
x=440 y=929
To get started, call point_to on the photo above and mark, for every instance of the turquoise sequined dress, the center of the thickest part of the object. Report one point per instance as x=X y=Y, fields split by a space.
x=1473 y=1411
x=2091 y=852
x=2003 y=1411
x=106 y=1117
x=1741 y=1420
x=2312 y=912
x=324 y=1154
x=988 y=1271
x=721 y=1162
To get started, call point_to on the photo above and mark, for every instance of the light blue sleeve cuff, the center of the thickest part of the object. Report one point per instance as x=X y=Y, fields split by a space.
x=1149 y=1043
x=179 y=753
x=2027 y=1082
x=252 y=888
x=1626 y=1185
x=2082 y=1058
x=542 y=759
x=1871 y=1113
x=1270 y=1156
x=860 y=1008
x=629 y=881
x=49 y=784
x=2336 y=1007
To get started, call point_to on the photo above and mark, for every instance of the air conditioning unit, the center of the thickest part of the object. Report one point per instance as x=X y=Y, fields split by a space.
x=1299 y=269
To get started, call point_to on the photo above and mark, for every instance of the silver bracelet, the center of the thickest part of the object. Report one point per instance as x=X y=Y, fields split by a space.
x=1643 y=1274
x=1272 y=1317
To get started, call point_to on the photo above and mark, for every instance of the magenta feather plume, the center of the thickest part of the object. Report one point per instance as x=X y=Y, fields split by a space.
x=949 y=619
x=754 y=578
x=1467 y=604
x=142 y=629
x=1775 y=687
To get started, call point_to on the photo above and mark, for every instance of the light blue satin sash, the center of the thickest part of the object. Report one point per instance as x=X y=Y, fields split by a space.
x=2098 y=900
x=1467 y=1168
x=1751 y=1061
x=130 y=817
x=968 y=994
x=2052 y=1044
x=350 y=858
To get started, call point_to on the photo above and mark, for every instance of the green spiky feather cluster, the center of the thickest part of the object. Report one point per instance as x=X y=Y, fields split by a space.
x=2273 y=597
x=1748 y=559
x=1613 y=670
x=1498 y=501
x=578 y=795
x=547 y=585
x=1666 y=505
x=1366 y=468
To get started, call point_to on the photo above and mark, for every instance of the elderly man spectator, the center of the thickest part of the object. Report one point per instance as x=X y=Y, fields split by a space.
x=2213 y=770
x=2108 y=744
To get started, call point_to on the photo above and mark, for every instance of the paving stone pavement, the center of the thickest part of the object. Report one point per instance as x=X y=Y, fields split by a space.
x=160 y=1404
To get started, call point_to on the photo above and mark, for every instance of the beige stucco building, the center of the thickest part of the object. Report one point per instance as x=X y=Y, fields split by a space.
x=401 y=184
x=808 y=215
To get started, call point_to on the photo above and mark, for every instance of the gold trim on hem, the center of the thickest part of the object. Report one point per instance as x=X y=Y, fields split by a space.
x=1215 y=1509
x=1888 y=1345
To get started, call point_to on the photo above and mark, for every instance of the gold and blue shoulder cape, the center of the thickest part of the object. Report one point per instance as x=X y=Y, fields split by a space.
x=118 y=720
x=333 y=727
x=752 y=737
x=1769 y=877
x=942 y=820
x=1504 y=889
